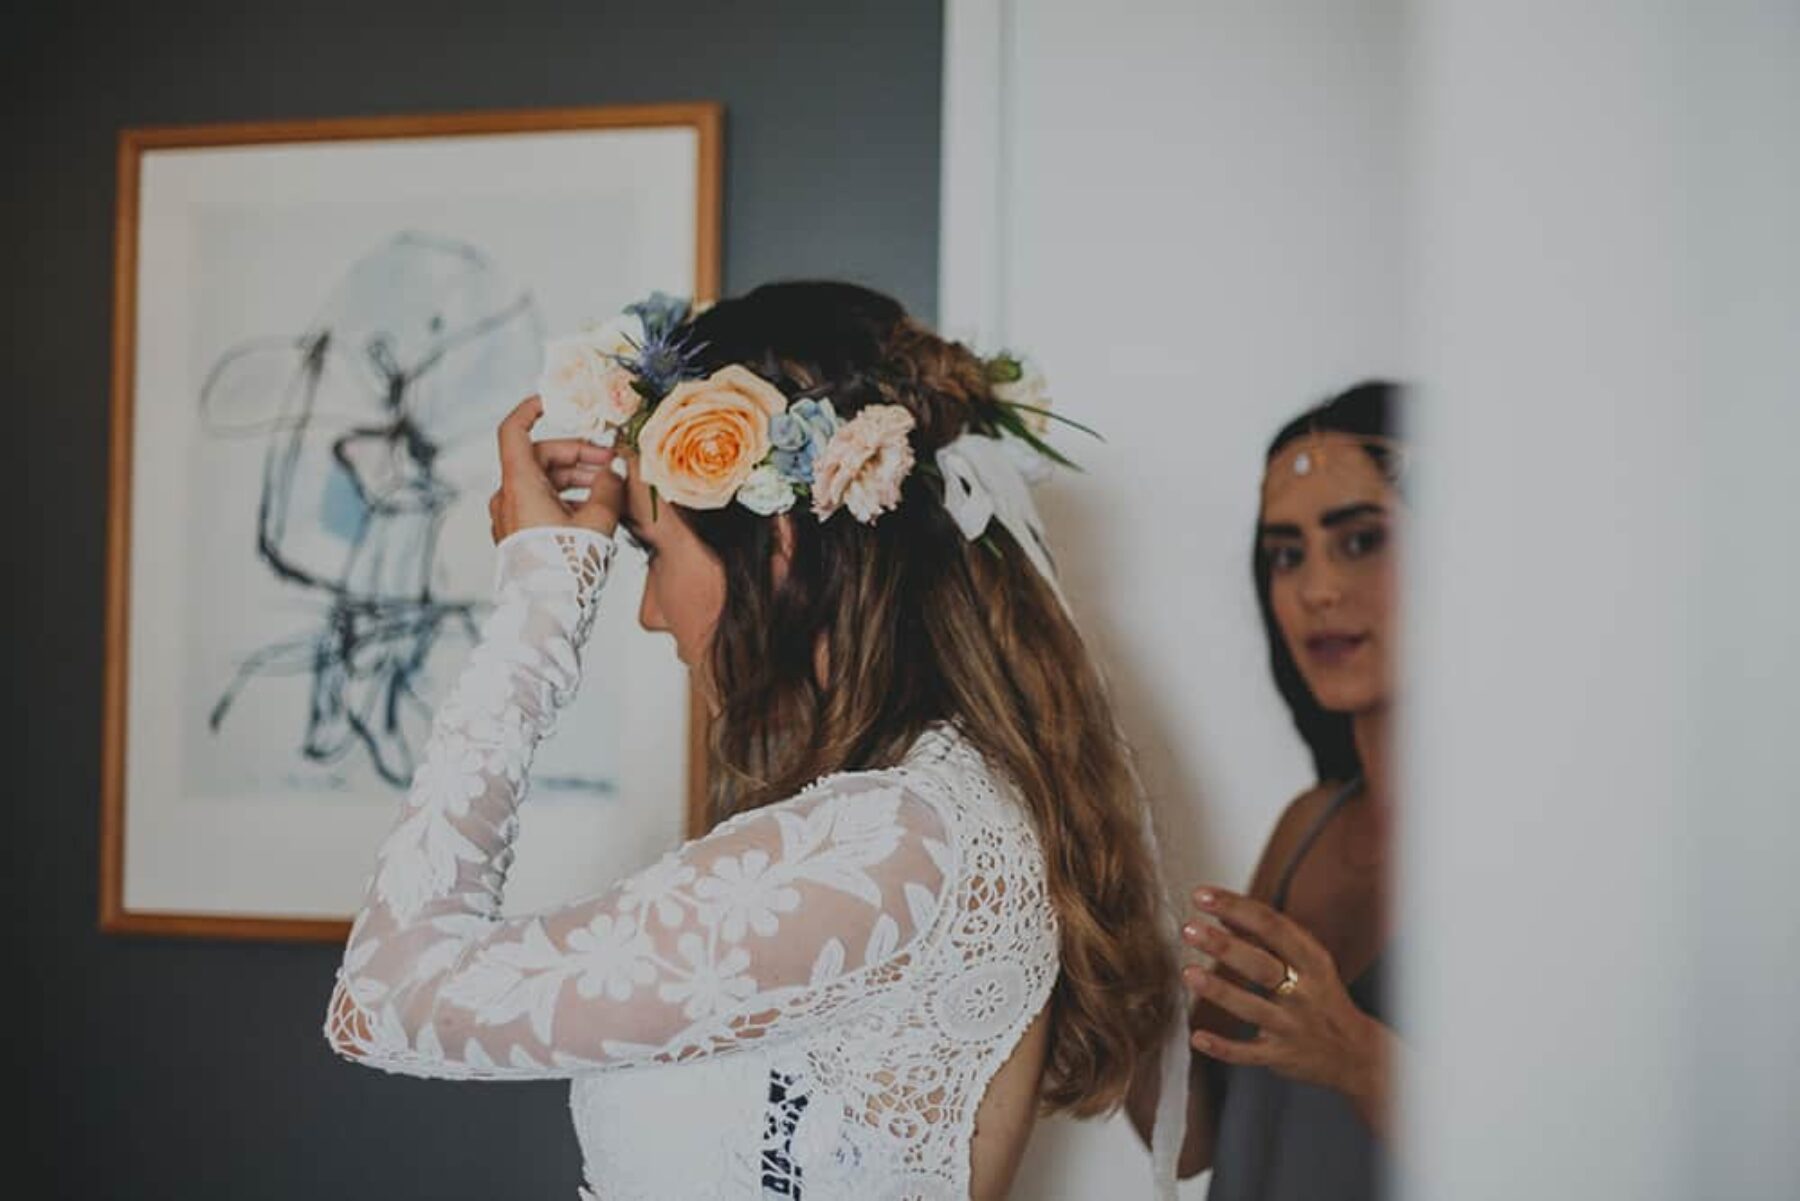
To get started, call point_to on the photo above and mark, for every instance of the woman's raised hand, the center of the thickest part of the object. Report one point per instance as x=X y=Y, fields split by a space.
x=534 y=474
x=1308 y=1028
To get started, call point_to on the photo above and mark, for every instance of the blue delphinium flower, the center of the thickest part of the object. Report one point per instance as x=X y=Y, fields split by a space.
x=799 y=436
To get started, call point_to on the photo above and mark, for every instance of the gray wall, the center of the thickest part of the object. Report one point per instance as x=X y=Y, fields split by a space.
x=165 y=1068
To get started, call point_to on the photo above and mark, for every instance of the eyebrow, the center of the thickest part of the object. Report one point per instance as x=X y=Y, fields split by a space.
x=1331 y=520
x=1337 y=517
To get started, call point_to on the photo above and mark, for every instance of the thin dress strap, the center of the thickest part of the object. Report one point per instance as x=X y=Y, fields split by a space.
x=1311 y=836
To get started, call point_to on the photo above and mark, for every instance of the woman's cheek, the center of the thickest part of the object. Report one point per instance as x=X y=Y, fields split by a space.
x=1287 y=615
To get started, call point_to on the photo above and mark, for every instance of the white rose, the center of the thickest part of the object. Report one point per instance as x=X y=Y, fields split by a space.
x=1031 y=388
x=766 y=493
x=584 y=389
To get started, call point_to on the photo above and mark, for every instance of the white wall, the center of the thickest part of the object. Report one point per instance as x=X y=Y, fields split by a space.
x=1604 y=972
x=1201 y=216
x=1191 y=214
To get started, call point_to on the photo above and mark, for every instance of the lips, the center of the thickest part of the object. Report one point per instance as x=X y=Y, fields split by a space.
x=1332 y=649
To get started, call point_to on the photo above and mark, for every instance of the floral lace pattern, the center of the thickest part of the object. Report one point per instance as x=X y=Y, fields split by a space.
x=869 y=950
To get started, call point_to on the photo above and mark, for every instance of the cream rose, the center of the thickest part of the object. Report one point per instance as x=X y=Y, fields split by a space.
x=864 y=464
x=584 y=388
x=766 y=492
x=707 y=436
x=1031 y=389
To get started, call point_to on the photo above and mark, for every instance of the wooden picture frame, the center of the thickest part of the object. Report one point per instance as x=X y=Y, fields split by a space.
x=684 y=139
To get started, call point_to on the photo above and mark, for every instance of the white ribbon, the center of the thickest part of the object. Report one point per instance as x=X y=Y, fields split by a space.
x=988 y=478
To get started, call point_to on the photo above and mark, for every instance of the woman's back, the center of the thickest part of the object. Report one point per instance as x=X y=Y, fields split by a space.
x=887 y=1099
x=828 y=983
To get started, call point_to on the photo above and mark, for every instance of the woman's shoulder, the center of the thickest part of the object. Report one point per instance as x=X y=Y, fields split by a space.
x=947 y=766
x=1290 y=828
x=938 y=794
x=1305 y=809
x=889 y=791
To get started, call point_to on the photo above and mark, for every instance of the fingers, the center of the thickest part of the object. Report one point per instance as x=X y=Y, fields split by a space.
x=581 y=475
x=516 y=456
x=566 y=462
x=574 y=463
x=552 y=453
x=1238 y=1002
x=1281 y=934
x=534 y=475
x=1239 y=955
x=605 y=501
x=1253 y=1053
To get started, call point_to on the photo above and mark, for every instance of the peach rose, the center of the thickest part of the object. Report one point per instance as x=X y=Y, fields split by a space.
x=864 y=464
x=584 y=389
x=707 y=436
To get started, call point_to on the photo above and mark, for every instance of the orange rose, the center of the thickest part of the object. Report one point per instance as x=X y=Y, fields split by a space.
x=707 y=436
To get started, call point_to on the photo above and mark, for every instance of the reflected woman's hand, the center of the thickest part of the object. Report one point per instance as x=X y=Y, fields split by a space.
x=1307 y=1026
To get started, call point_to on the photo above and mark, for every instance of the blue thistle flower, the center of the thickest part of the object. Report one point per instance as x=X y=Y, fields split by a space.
x=661 y=314
x=668 y=354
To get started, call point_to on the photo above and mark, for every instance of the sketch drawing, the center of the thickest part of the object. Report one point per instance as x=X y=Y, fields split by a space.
x=420 y=347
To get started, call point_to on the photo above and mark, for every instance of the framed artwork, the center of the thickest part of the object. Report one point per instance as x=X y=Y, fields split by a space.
x=317 y=327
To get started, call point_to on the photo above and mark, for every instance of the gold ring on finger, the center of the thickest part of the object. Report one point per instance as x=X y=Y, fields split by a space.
x=1290 y=980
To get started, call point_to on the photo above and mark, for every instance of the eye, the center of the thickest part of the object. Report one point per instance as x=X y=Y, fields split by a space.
x=1363 y=542
x=1283 y=557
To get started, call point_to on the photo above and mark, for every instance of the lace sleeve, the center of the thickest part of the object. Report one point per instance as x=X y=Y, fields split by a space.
x=778 y=921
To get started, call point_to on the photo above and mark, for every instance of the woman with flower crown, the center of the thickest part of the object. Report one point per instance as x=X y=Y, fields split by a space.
x=927 y=911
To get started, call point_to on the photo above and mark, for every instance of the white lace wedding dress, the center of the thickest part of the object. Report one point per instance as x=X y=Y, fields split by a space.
x=809 y=1002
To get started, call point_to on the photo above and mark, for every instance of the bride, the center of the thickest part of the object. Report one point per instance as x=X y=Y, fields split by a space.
x=927 y=912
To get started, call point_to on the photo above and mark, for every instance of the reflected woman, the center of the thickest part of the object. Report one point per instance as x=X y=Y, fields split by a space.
x=1292 y=1054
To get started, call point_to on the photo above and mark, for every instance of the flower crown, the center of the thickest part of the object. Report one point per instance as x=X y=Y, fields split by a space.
x=704 y=441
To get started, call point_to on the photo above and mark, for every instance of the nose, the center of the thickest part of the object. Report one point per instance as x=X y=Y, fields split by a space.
x=1321 y=584
x=650 y=615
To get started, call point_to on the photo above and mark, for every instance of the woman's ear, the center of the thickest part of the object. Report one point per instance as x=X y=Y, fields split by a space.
x=784 y=547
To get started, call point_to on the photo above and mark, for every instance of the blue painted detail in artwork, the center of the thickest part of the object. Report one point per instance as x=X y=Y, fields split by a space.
x=341 y=509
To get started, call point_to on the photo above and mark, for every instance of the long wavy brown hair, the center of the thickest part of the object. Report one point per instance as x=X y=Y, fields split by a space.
x=920 y=625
